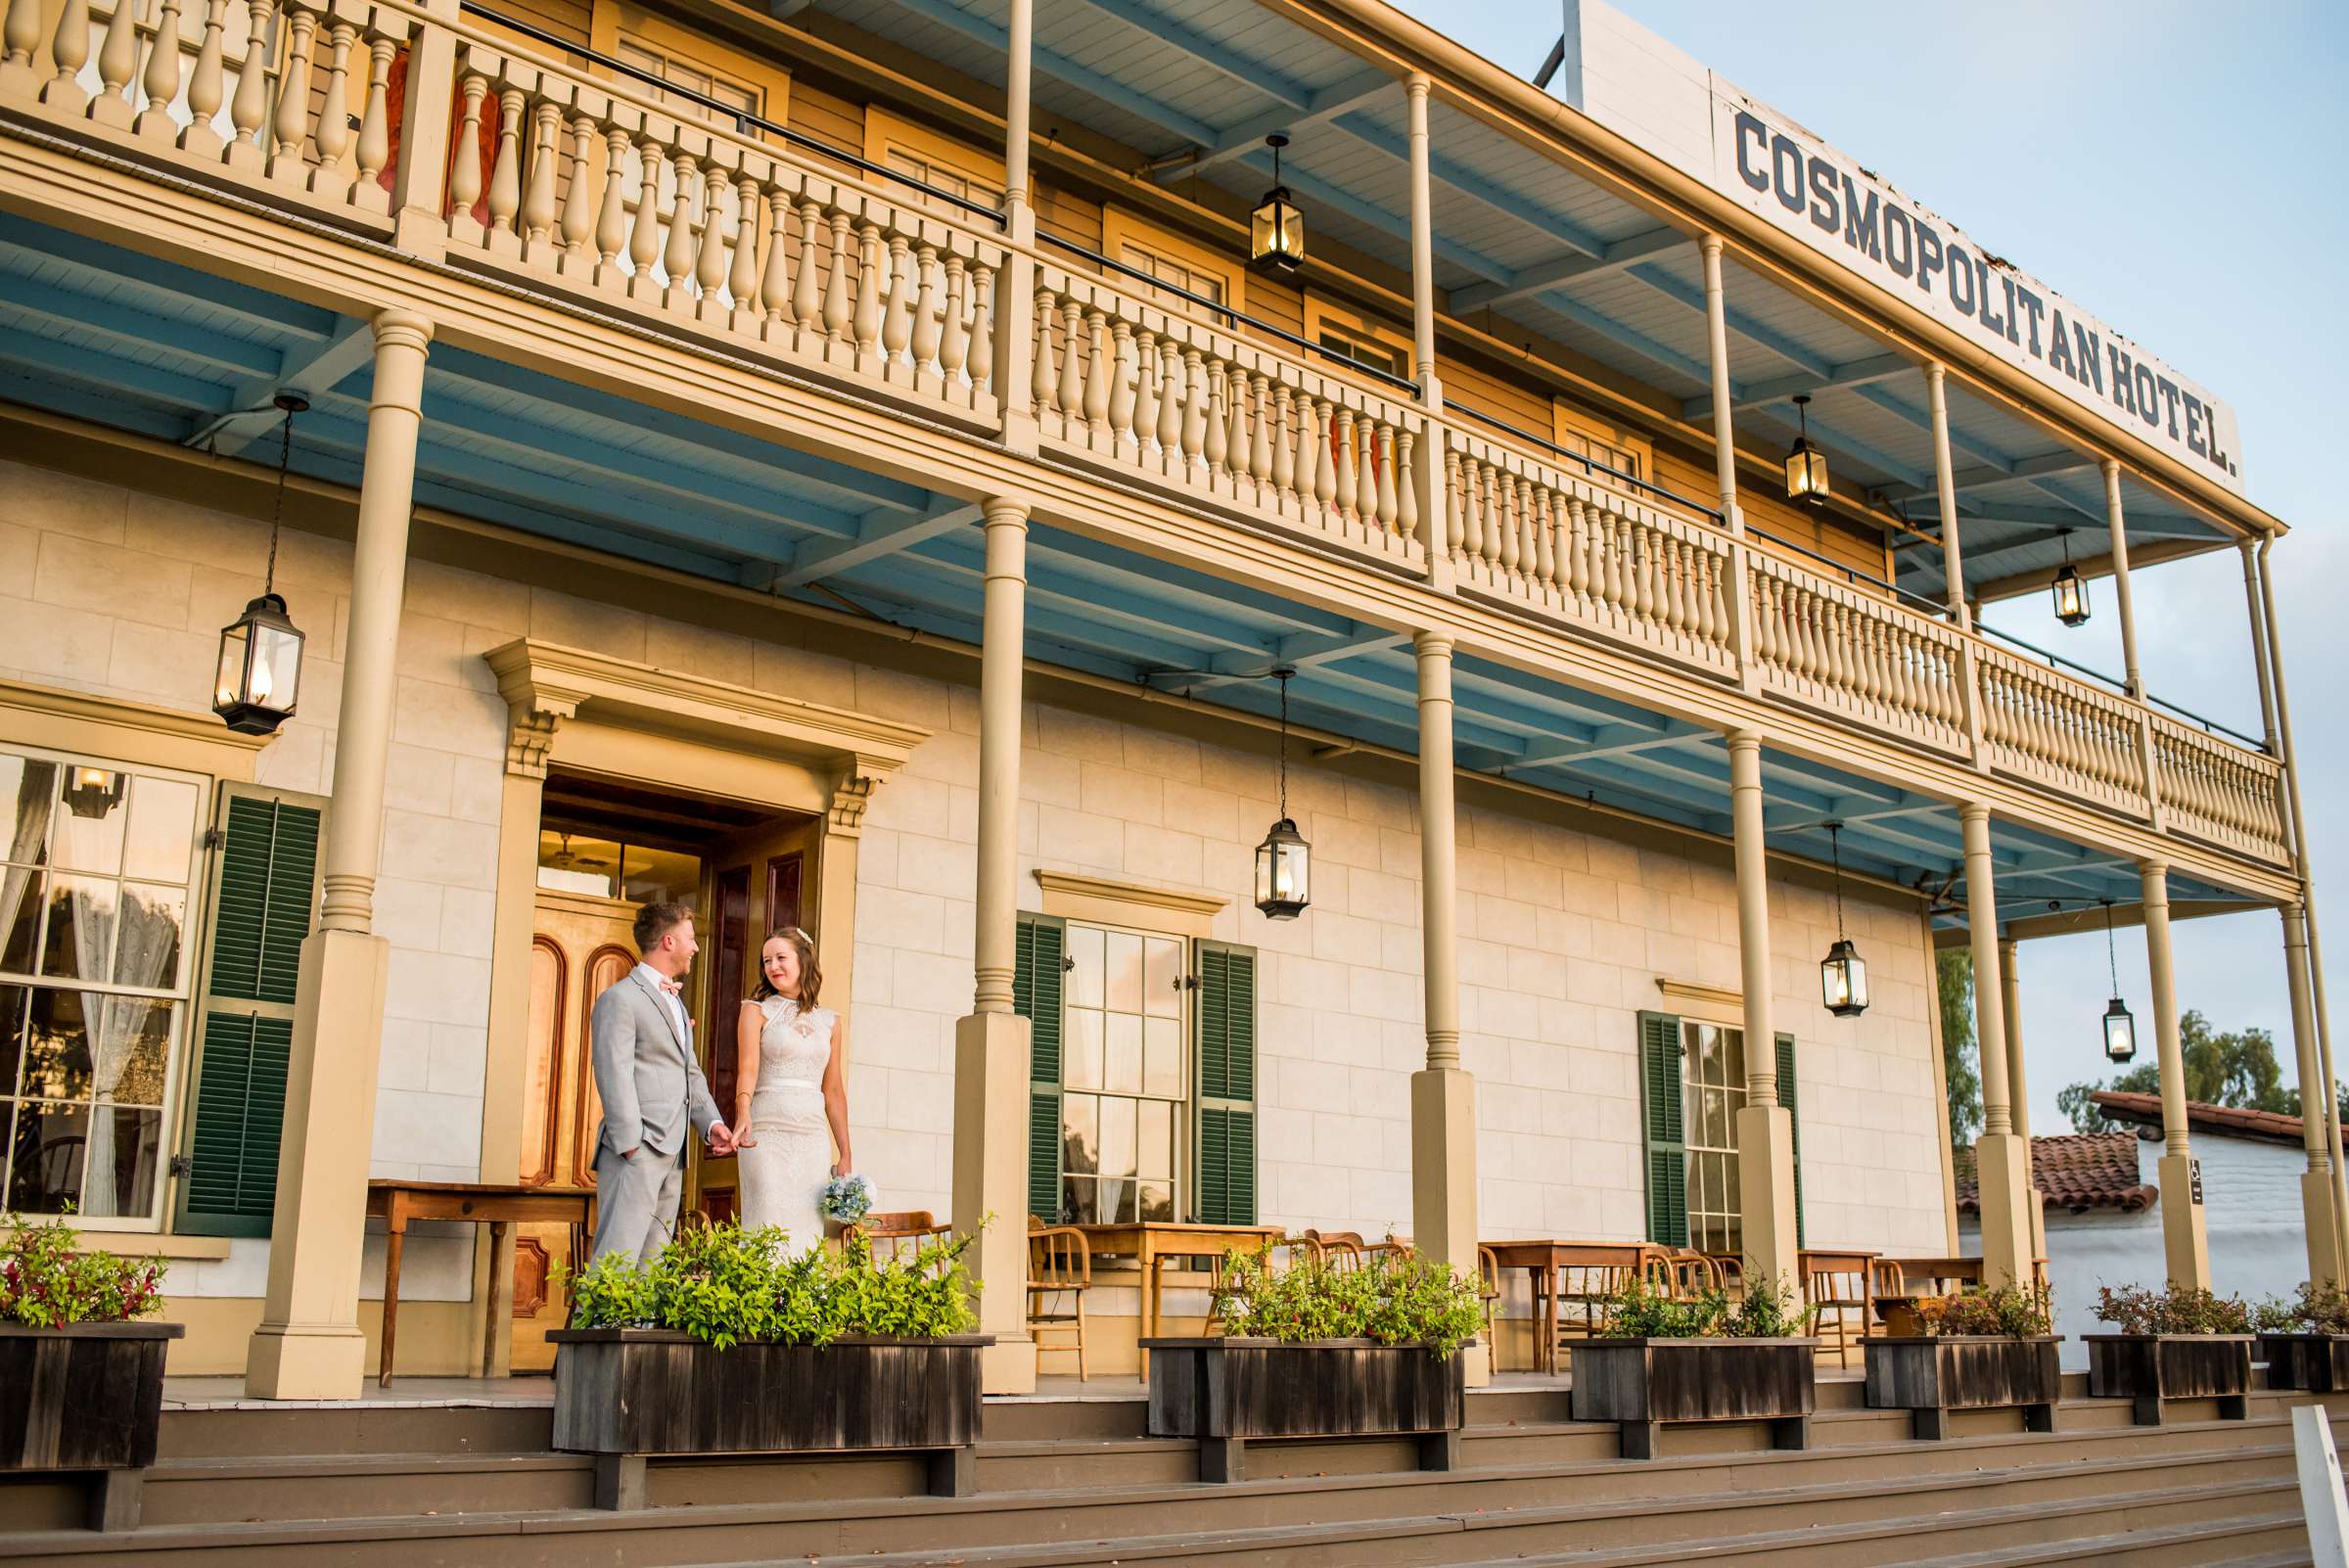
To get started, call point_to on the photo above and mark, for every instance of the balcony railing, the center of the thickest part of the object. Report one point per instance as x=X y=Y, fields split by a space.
x=574 y=174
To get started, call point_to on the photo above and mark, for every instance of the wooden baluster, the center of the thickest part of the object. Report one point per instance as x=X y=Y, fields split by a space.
x=292 y=126
x=1407 y=488
x=248 y=107
x=1389 y=508
x=1260 y=431
x=505 y=175
x=1073 y=355
x=1347 y=473
x=160 y=80
x=896 y=320
x=743 y=276
x=676 y=262
x=1218 y=429
x=1708 y=627
x=1312 y=467
x=374 y=150
x=1541 y=562
x=1366 y=481
x=1196 y=415
x=1284 y=450
x=333 y=134
x=982 y=363
x=929 y=307
x=1578 y=552
x=1173 y=395
x=775 y=282
x=22 y=35
x=644 y=241
x=465 y=173
x=1238 y=435
x=541 y=169
x=1043 y=384
x=208 y=86
x=1466 y=502
x=612 y=213
x=1672 y=593
x=69 y=47
x=869 y=283
x=1326 y=463
x=118 y=67
x=576 y=226
x=1455 y=512
x=1149 y=389
x=807 y=285
x=954 y=334
x=1123 y=394
x=1098 y=372
x=1501 y=487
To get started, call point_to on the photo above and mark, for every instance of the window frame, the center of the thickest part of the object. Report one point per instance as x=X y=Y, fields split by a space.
x=1186 y=1101
x=610 y=19
x=885 y=131
x=1569 y=422
x=1120 y=228
x=1323 y=315
x=186 y=996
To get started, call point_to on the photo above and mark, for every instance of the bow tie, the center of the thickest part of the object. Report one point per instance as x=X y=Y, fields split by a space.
x=673 y=987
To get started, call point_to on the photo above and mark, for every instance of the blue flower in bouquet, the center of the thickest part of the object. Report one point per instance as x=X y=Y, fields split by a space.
x=846 y=1199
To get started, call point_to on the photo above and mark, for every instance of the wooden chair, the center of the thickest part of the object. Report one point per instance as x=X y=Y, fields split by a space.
x=1060 y=1271
x=1342 y=1250
x=1587 y=1285
x=1487 y=1286
x=1693 y=1273
x=899 y=1233
x=1835 y=1284
x=1732 y=1268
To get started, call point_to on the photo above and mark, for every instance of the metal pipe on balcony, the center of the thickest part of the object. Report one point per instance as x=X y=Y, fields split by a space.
x=1724 y=463
x=2134 y=678
x=1944 y=488
x=1423 y=249
x=1018 y=78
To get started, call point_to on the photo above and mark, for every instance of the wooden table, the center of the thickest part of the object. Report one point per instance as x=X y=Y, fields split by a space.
x=1151 y=1242
x=1922 y=1277
x=1540 y=1259
x=396 y=1203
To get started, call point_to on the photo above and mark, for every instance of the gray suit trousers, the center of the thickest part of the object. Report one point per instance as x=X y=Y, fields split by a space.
x=636 y=1202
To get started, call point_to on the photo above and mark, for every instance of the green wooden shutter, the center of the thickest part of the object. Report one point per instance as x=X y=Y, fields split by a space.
x=1037 y=967
x=1795 y=1117
x=1226 y=1109
x=1660 y=1121
x=264 y=891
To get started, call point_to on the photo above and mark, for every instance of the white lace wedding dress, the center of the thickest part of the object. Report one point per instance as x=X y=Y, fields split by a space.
x=783 y=1173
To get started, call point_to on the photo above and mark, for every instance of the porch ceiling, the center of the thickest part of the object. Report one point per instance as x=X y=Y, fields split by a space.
x=1525 y=237
x=136 y=344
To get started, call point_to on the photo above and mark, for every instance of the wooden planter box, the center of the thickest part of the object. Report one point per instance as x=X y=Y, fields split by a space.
x=1641 y=1384
x=1930 y=1376
x=2316 y=1363
x=623 y=1394
x=2149 y=1368
x=1225 y=1391
x=88 y=1396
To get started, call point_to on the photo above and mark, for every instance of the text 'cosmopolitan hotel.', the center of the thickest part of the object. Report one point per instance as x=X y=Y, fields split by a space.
x=899 y=467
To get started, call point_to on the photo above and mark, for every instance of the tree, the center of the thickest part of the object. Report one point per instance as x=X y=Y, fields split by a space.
x=2237 y=1070
x=1955 y=976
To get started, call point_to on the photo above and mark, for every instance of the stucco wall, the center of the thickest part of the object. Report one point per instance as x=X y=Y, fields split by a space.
x=1563 y=932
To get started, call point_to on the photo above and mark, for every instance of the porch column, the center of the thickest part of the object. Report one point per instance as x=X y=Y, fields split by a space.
x=2316 y=1183
x=2184 y=1238
x=1765 y=1130
x=2298 y=823
x=1014 y=299
x=2000 y=1157
x=2018 y=1093
x=421 y=175
x=1018 y=74
x=1423 y=254
x=1944 y=488
x=1725 y=460
x=1442 y=1093
x=2133 y=677
x=308 y=1345
x=991 y=1045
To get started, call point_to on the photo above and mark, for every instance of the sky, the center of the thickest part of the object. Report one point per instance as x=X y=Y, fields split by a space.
x=2175 y=169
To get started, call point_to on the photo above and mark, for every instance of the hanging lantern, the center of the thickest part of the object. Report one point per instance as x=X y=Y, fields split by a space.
x=260 y=650
x=1843 y=973
x=2071 y=594
x=2120 y=1030
x=1806 y=464
x=1284 y=860
x=93 y=791
x=1276 y=229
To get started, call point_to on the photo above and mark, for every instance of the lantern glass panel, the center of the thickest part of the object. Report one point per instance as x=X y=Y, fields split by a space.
x=276 y=668
x=1843 y=981
x=228 y=686
x=2071 y=598
x=2120 y=1032
x=1805 y=473
x=1276 y=232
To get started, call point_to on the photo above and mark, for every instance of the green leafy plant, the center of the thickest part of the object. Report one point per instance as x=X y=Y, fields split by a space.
x=1638 y=1311
x=45 y=1282
x=2135 y=1310
x=1395 y=1298
x=2011 y=1312
x=2314 y=1310
x=722 y=1285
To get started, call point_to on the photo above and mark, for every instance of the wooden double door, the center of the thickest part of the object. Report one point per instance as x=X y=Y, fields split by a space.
x=583 y=943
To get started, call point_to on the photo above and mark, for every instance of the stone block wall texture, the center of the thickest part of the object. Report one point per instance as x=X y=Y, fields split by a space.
x=1564 y=931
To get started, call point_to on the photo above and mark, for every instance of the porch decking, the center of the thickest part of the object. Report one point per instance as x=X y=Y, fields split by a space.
x=456 y=1472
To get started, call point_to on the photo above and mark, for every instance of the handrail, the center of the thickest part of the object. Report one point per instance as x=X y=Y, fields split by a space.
x=1589 y=465
x=744 y=123
x=1399 y=383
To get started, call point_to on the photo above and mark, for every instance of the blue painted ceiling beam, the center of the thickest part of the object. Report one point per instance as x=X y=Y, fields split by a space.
x=1203 y=593
x=1808 y=360
x=100 y=407
x=310 y=369
x=123 y=327
x=1587 y=708
x=1249 y=134
x=1209 y=52
x=93 y=368
x=1115 y=93
x=272 y=311
x=1446 y=172
x=1377 y=218
x=1779 y=389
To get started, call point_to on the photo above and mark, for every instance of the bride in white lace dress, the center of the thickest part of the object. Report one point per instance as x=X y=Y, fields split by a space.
x=792 y=1104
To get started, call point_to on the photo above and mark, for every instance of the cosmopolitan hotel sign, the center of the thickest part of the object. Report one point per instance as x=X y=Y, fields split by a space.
x=1641 y=87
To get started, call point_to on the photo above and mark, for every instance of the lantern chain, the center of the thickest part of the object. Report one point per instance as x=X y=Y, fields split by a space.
x=1835 y=851
x=2112 y=963
x=1282 y=676
x=290 y=403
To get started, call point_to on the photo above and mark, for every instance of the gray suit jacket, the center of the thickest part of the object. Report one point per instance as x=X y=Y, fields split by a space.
x=646 y=1072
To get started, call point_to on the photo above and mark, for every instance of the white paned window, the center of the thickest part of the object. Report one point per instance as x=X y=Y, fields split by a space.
x=1124 y=1076
x=1713 y=1090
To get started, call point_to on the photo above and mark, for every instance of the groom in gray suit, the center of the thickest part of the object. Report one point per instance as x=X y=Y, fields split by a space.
x=652 y=1085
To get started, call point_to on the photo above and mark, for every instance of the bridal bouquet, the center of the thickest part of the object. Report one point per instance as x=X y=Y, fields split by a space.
x=846 y=1199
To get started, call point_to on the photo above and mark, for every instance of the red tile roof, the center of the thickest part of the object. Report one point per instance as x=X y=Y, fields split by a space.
x=2145 y=1110
x=2076 y=1171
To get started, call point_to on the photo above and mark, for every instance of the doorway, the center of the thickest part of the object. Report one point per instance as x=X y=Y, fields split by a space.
x=608 y=847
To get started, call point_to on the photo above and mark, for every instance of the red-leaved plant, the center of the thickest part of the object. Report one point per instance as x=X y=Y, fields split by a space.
x=46 y=1283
